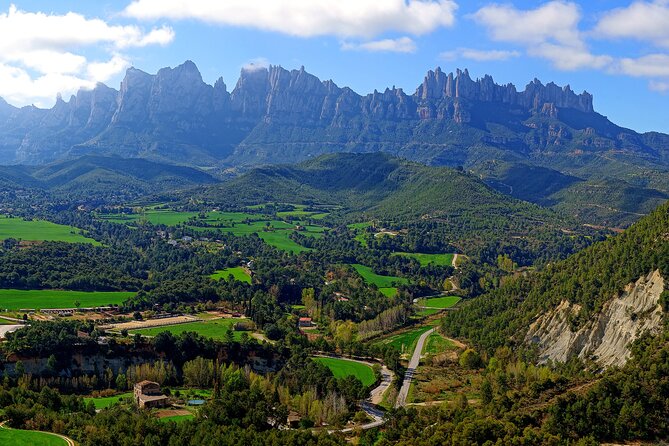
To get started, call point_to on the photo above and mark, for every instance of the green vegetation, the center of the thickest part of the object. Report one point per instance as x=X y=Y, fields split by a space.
x=39 y=299
x=177 y=418
x=342 y=368
x=589 y=278
x=104 y=402
x=406 y=341
x=40 y=230
x=237 y=272
x=427 y=259
x=154 y=216
x=436 y=343
x=214 y=329
x=15 y=437
x=440 y=302
x=376 y=279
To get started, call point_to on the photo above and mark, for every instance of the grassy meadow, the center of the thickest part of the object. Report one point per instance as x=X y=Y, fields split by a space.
x=440 y=303
x=385 y=284
x=342 y=368
x=104 y=402
x=13 y=300
x=40 y=230
x=15 y=437
x=427 y=259
x=214 y=329
x=237 y=272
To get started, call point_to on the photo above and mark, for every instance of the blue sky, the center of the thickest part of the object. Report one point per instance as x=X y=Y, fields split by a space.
x=617 y=50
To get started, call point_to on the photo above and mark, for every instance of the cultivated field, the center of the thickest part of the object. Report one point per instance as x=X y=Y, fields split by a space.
x=12 y=300
x=214 y=328
x=15 y=437
x=342 y=368
x=440 y=303
x=237 y=272
x=427 y=259
x=153 y=216
x=40 y=230
x=108 y=401
x=386 y=284
x=405 y=342
x=273 y=232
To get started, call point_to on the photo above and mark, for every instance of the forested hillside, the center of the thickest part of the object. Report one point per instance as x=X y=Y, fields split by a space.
x=588 y=278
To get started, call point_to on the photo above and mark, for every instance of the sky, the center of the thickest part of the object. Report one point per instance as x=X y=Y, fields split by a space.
x=616 y=50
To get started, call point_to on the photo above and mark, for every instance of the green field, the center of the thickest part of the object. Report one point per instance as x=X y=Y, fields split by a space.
x=40 y=230
x=426 y=259
x=237 y=272
x=384 y=283
x=436 y=343
x=14 y=437
x=405 y=342
x=277 y=233
x=39 y=299
x=440 y=302
x=236 y=223
x=107 y=401
x=177 y=418
x=342 y=368
x=214 y=329
x=154 y=216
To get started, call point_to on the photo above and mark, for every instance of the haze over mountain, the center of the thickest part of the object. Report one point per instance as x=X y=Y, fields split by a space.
x=275 y=116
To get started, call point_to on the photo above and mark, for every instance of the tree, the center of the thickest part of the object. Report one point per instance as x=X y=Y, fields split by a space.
x=469 y=359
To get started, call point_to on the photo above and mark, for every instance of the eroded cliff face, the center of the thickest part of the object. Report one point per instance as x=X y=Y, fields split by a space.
x=607 y=337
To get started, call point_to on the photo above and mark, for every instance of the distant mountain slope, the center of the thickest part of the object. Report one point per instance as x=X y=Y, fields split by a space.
x=453 y=206
x=278 y=116
x=600 y=295
x=95 y=177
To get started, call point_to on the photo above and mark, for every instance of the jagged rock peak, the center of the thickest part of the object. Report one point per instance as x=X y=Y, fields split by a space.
x=438 y=85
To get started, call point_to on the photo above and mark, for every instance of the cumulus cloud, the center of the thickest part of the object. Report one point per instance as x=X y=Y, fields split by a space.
x=41 y=54
x=400 y=45
x=646 y=21
x=478 y=55
x=652 y=65
x=308 y=18
x=550 y=31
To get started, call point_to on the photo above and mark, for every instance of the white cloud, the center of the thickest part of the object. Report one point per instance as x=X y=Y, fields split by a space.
x=647 y=21
x=550 y=31
x=555 y=21
x=400 y=45
x=478 y=55
x=259 y=63
x=44 y=54
x=103 y=71
x=659 y=86
x=652 y=65
x=308 y=18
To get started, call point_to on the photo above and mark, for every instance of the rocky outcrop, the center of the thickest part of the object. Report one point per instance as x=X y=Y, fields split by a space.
x=606 y=338
x=272 y=114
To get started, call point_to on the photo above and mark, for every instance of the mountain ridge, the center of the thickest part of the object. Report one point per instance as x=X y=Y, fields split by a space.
x=275 y=116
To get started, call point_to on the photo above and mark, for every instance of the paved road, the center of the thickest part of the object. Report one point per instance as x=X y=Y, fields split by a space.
x=4 y=329
x=411 y=369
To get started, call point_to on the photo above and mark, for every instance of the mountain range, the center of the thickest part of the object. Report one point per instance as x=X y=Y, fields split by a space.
x=544 y=144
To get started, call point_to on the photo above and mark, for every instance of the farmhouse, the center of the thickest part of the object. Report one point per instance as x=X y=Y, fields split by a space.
x=149 y=396
x=305 y=322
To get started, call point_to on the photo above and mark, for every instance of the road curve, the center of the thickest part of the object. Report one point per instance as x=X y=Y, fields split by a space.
x=67 y=440
x=411 y=369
